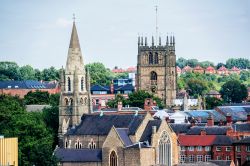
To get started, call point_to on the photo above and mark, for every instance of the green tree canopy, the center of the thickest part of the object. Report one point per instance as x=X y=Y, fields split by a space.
x=233 y=91
x=212 y=102
x=37 y=97
x=196 y=87
x=27 y=73
x=239 y=62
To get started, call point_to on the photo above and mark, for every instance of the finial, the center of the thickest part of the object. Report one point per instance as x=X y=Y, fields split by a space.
x=142 y=41
x=167 y=42
x=146 y=42
x=159 y=41
x=138 y=40
x=171 y=40
x=152 y=40
x=74 y=17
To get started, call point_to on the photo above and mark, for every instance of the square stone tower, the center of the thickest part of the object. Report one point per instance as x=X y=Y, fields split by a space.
x=156 y=68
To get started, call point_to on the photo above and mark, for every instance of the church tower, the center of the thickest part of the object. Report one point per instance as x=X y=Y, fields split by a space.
x=75 y=97
x=156 y=68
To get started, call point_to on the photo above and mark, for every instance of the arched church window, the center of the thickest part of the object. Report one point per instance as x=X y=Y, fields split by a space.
x=92 y=144
x=66 y=144
x=164 y=149
x=66 y=101
x=113 y=159
x=150 y=58
x=156 y=58
x=78 y=145
x=85 y=100
x=81 y=101
x=69 y=84
x=82 y=84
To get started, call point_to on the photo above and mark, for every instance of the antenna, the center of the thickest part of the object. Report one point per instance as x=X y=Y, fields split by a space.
x=156 y=23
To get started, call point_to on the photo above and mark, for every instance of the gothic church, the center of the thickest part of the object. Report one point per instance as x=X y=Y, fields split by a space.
x=88 y=138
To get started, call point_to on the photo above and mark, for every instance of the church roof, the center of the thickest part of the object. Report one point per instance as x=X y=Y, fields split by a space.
x=101 y=125
x=146 y=136
x=27 y=84
x=78 y=155
x=123 y=134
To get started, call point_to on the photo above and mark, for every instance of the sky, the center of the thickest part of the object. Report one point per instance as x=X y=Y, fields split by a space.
x=37 y=33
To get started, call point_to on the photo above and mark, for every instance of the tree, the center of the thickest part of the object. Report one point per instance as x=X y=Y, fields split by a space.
x=37 y=97
x=233 y=91
x=196 y=87
x=99 y=74
x=205 y=64
x=192 y=62
x=35 y=140
x=27 y=73
x=212 y=102
x=9 y=71
x=118 y=98
x=50 y=74
x=219 y=65
x=239 y=62
x=245 y=75
x=181 y=62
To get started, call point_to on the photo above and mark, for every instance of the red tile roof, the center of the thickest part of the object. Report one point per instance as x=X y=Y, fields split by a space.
x=198 y=68
x=235 y=69
x=210 y=68
x=178 y=69
x=196 y=140
x=222 y=68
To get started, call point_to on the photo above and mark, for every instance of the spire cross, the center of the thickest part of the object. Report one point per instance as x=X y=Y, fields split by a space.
x=74 y=17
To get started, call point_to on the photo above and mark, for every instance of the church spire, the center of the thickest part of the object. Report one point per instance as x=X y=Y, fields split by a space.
x=74 y=41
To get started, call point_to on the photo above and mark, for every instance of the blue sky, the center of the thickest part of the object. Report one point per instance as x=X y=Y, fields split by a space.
x=38 y=32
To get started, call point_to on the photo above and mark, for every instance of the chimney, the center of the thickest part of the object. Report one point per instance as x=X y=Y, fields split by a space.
x=167 y=119
x=119 y=106
x=147 y=104
x=203 y=132
x=153 y=130
x=229 y=119
x=210 y=120
x=112 y=87
x=248 y=117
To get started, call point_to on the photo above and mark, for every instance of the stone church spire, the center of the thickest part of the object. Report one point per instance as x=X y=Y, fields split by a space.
x=75 y=99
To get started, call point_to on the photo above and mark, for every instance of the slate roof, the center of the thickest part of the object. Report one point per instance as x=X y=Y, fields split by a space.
x=238 y=113
x=223 y=140
x=138 y=145
x=101 y=125
x=78 y=155
x=27 y=84
x=210 y=130
x=146 y=135
x=180 y=128
x=123 y=133
x=116 y=88
x=242 y=127
x=243 y=141
x=202 y=115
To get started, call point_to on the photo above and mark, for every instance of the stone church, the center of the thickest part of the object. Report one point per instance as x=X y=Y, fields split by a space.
x=156 y=68
x=101 y=139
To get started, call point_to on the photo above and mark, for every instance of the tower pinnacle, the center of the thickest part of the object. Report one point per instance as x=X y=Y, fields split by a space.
x=74 y=41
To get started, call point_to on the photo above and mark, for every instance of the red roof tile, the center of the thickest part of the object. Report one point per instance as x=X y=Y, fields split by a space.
x=196 y=140
x=222 y=68
x=210 y=68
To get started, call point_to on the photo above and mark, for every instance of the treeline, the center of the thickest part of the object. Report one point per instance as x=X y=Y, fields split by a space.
x=240 y=63
x=99 y=73
x=36 y=131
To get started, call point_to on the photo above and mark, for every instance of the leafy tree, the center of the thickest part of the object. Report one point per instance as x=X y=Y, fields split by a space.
x=118 y=98
x=50 y=74
x=233 y=91
x=27 y=73
x=239 y=62
x=37 y=97
x=99 y=74
x=9 y=71
x=205 y=64
x=196 y=87
x=192 y=62
x=245 y=75
x=219 y=65
x=212 y=102
x=181 y=84
x=181 y=62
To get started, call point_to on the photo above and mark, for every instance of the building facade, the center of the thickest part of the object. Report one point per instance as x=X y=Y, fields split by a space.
x=156 y=68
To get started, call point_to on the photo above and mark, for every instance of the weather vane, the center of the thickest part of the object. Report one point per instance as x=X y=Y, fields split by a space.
x=74 y=17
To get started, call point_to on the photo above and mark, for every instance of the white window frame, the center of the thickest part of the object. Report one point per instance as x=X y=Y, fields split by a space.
x=191 y=158
x=190 y=148
x=199 y=148
x=228 y=158
x=207 y=158
x=218 y=148
x=238 y=148
x=207 y=148
x=182 y=158
x=183 y=148
x=228 y=148
x=199 y=158
x=248 y=148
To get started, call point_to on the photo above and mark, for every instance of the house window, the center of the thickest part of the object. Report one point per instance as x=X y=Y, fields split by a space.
x=92 y=144
x=164 y=149
x=191 y=158
x=199 y=148
x=248 y=148
x=218 y=148
x=183 y=148
x=237 y=148
x=248 y=158
x=183 y=159
x=191 y=148
x=218 y=157
x=228 y=158
x=199 y=158
x=69 y=84
x=150 y=58
x=97 y=102
x=207 y=148
x=113 y=161
x=207 y=158
x=82 y=84
x=228 y=148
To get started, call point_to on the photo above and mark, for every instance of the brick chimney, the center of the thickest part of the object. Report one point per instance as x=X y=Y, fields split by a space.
x=229 y=119
x=112 y=87
x=248 y=117
x=148 y=103
x=203 y=132
x=210 y=120
x=119 y=106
